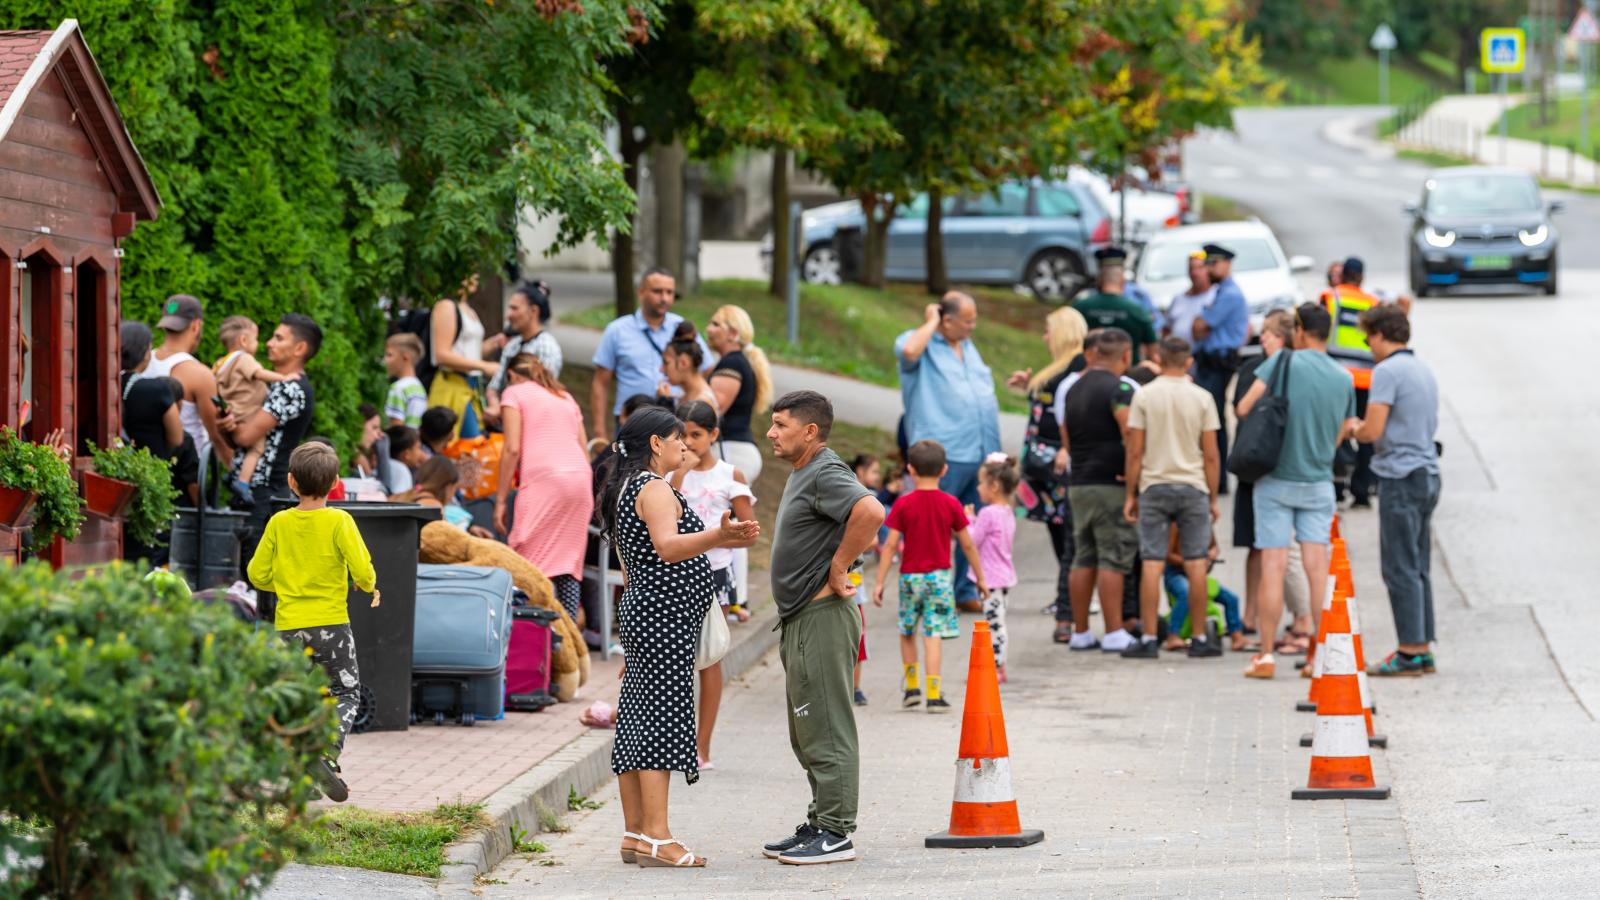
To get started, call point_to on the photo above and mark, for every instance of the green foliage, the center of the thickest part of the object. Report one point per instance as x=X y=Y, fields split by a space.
x=577 y=802
x=37 y=469
x=151 y=511
x=142 y=734
x=403 y=843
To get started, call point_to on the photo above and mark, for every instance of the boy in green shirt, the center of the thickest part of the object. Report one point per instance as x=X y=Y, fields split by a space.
x=308 y=556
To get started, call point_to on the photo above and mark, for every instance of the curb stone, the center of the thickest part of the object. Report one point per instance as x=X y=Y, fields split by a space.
x=583 y=765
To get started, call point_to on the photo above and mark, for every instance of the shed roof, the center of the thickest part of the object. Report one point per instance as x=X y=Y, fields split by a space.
x=26 y=57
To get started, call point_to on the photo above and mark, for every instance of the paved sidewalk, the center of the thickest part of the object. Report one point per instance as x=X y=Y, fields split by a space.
x=1169 y=778
x=1465 y=126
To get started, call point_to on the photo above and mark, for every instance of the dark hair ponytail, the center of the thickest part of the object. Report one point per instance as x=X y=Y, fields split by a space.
x=684 y=343
x=630 y=455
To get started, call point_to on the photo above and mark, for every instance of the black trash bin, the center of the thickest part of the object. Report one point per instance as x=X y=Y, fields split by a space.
x=392 y=532
x=219 y=565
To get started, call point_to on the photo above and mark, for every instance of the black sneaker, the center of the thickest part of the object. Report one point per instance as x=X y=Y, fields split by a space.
x=1204 y=649
x=326 y=774
x=861 y=697
x=1143 y=650
x=938 y=705
x=801 y=836
x=824 y=847
x=912 y=698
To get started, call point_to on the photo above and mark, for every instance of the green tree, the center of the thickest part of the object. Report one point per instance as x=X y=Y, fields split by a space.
x=968 y=87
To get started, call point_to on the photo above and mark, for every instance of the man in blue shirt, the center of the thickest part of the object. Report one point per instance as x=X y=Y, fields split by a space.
x=1219 y=331
x=948 y=394
x=630 y=349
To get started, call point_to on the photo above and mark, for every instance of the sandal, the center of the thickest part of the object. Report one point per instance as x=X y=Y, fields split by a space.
x=630 y=855
x=1293 y=644
x=687 y=861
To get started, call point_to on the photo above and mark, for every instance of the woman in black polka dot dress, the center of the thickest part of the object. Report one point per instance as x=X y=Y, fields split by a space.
x=662 y=544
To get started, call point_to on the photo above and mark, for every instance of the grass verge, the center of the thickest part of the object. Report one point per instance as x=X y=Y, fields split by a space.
x=1353 y=81
x=1222 y=209
x=849 y=330
x=403 y=843
x=1440 y=160
x=1522 y=121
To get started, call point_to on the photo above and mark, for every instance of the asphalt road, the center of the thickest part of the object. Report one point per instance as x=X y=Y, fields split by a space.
x=1502 y=802
x=1332 y=200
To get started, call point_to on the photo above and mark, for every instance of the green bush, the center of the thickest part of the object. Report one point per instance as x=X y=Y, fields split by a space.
x=151 y=511
x=144 y=736
x=35 y=468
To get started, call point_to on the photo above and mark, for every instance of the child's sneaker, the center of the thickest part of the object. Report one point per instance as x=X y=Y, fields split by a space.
x=326 y=774
x=861 y=697
x=912 y=698
x=241 y=491
x=938 y=705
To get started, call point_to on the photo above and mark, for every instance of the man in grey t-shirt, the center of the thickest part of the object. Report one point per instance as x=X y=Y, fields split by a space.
x=1402 y=418
x=826 y=520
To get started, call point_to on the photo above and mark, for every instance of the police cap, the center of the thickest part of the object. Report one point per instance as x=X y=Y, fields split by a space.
x=1113 y=255
x=1216 y=252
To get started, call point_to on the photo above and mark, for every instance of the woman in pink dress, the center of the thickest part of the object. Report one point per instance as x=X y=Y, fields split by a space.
x=545 y=455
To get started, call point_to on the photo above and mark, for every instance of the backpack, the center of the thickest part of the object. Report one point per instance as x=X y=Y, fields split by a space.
x=420 y=323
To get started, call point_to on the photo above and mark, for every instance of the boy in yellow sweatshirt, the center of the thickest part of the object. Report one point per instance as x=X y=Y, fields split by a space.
x=308 y=556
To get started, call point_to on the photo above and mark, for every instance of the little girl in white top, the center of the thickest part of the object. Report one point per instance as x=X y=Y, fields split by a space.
x=711 y=487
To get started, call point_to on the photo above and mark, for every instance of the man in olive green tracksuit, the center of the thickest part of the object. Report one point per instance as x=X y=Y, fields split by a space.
x=825 y=522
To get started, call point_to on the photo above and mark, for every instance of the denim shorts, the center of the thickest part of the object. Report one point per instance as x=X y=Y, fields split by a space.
x=1292 y=511
x=1163 y=505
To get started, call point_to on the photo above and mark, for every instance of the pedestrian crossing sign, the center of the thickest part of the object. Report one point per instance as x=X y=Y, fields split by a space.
x=1502 y=50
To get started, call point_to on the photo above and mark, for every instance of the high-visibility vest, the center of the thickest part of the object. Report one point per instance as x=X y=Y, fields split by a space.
x=1345 y=304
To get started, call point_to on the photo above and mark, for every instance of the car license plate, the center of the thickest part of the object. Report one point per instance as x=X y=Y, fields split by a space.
x=1488 y=262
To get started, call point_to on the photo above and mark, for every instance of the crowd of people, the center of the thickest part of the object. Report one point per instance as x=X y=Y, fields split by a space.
x=1124 y=458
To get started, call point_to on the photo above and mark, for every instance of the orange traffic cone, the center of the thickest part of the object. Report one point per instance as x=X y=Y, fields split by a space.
x=1341 y=764
x=984 y=811
x=1343 y=612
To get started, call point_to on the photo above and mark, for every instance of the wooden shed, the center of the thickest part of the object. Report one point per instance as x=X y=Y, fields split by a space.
x=71 y=187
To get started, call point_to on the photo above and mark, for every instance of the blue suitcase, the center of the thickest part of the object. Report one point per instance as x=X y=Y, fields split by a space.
x=463 y=630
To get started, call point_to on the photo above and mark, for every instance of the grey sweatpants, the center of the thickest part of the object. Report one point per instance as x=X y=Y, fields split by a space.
x=818 y=652
x=333 y=647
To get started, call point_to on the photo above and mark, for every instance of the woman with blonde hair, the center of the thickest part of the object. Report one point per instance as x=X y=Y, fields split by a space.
x=742 y=381
x=1044 y=459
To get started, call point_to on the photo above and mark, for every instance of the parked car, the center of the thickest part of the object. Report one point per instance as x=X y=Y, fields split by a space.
x=1149 y=211
x=1035 y=233
x=1481 y=225
x=1263 y=273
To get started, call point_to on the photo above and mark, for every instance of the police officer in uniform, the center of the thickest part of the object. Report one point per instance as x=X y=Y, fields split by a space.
x=1219 y=331
x=1110 y=307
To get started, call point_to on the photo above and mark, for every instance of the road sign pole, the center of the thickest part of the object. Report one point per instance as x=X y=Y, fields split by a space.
x=1505 y=109
x=791 y=288
x=1383 y=77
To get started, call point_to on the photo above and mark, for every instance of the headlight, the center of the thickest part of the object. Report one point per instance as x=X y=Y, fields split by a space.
x=1535 y=237
x=1438 y=239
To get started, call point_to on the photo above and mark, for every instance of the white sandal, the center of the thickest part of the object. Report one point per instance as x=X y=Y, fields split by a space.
x=687 y=861
x=628 y=856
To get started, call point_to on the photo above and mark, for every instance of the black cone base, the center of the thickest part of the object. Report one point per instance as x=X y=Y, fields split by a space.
x=1372 y=793
x=1305 y=706
x=945 y=839
x=1373 y=740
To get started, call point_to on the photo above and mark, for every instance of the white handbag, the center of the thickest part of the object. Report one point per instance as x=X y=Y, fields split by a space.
x=715 y=639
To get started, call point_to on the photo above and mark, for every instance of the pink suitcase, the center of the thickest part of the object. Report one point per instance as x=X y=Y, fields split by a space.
x=528 y=673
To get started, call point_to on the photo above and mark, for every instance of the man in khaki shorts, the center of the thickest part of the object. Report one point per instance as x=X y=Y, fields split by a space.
x=1097 y=420
x=1173 y=467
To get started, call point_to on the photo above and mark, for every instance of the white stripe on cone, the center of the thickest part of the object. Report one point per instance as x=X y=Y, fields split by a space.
x=1340 y=736
x=988 y=782
x=1355 y=614
x=1316 y=662
x=1340 y=651
x=1366 y=693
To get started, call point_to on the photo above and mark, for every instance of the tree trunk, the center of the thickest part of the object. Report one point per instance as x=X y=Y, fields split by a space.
x=938 y=280
x=875 y=242
x=624 y=297
x=666 y=173
x=782 y=241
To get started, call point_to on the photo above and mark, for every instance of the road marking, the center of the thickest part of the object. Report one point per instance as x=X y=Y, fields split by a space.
x=1322 y=173
x=1224 y=172
x=1275 y=172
